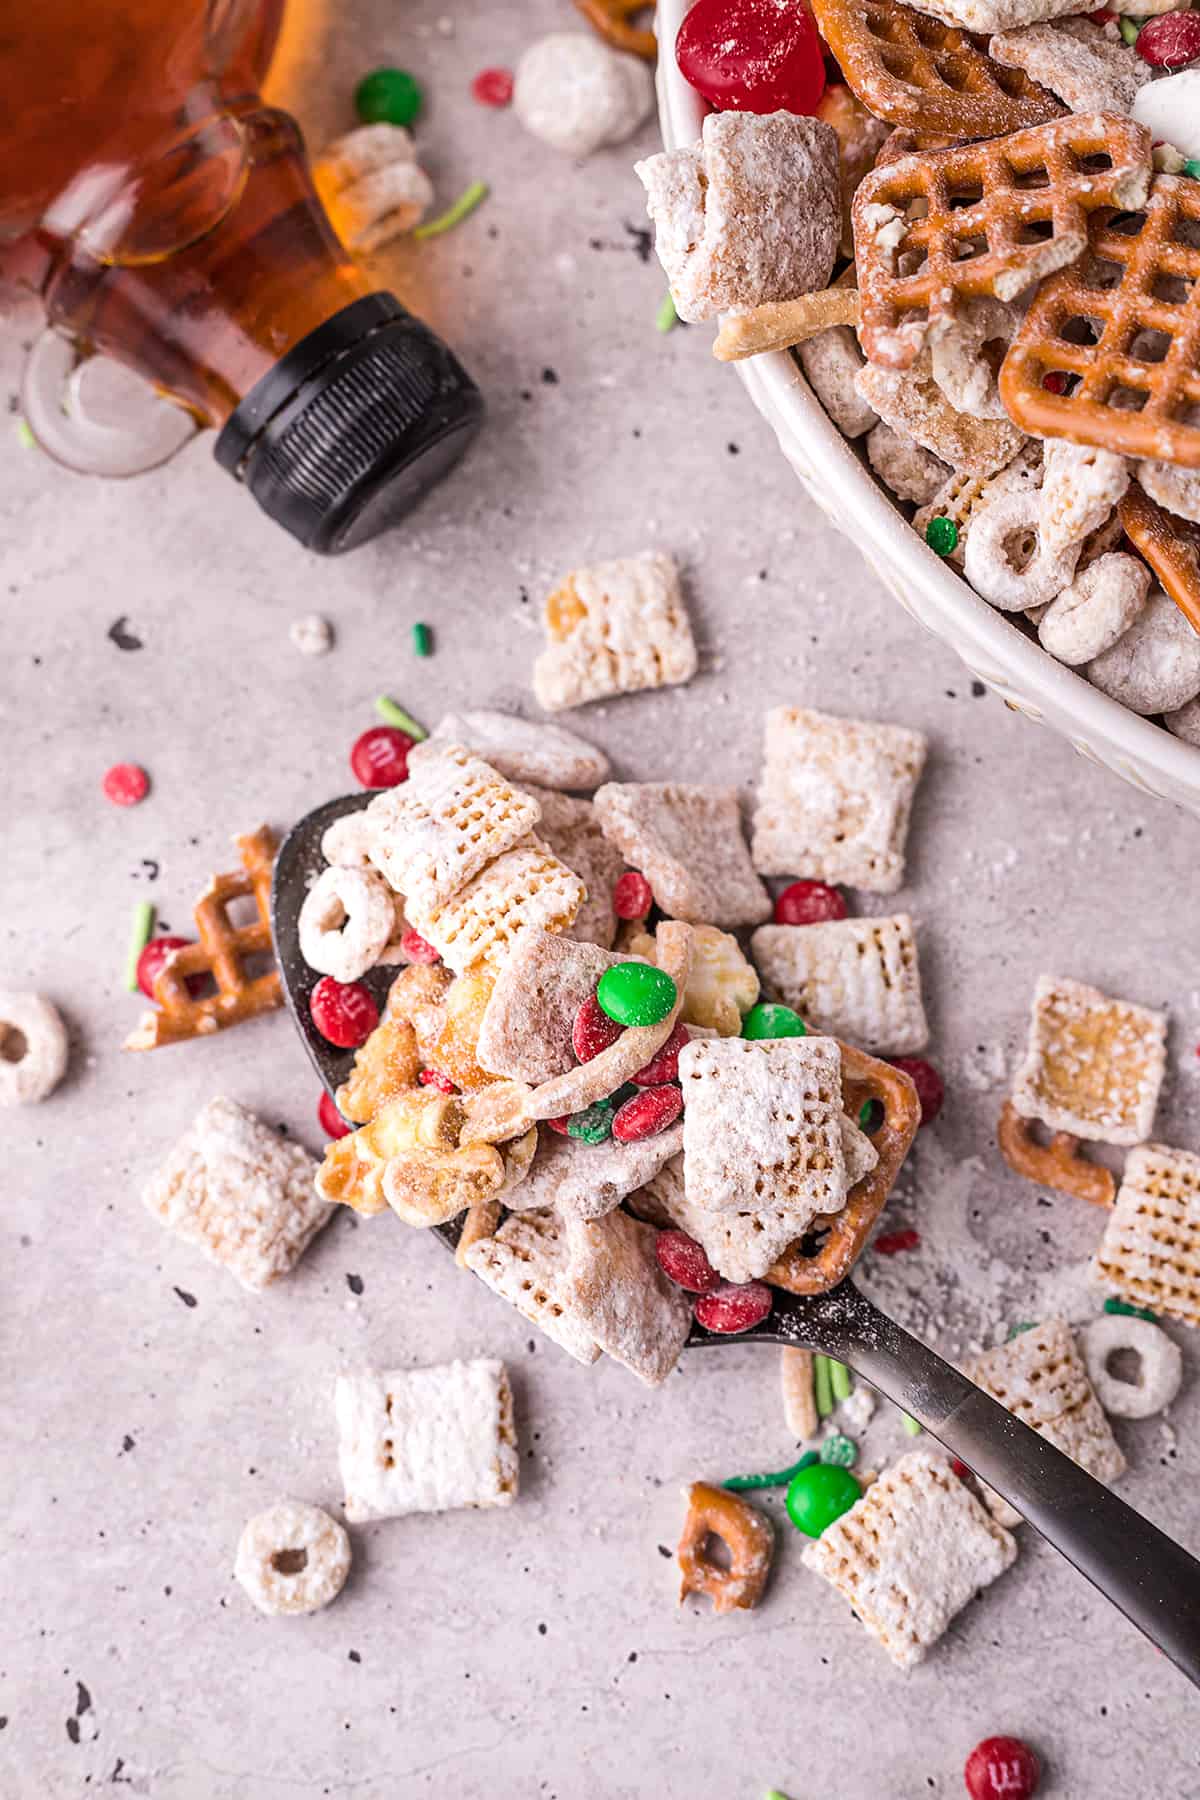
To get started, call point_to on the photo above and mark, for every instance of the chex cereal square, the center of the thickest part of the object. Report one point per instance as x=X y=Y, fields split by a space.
x=1150 y=1251
x=687 y=841
x=426 y=1440
x=621 y=1296
x=614 y=628
x=573 y=831
x=525 y=888
x=1093 y=1065
x=526 y=1264
x=526 y=1028
x=584 y=1181
x=910 y=1554
x=835 y=798
x=858 y=979
x=238 y=1192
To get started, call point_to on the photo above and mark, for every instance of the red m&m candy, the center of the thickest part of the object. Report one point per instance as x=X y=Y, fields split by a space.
x=1002 y=1768
x=1170 y=42
x=343 y=1012
x=332 y=1122
x=759 y=56
x=683 y=1261
x=379 y=758
x=809 y=903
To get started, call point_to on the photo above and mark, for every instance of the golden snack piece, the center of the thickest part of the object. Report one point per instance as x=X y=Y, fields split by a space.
x=613 y=21
x=448 y=1034
x=482 y=1218
x=781 y=323
x=712 y=1512
x=799 y=1400
x=915 y=71
x=222 y=953
x=353 y=1169
x=863 y=1078
x=431 y=1186
x=1122 y=390
x=1170 y=545
x=1058 y=1164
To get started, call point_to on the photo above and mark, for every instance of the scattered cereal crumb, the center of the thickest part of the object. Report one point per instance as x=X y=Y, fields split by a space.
x=312 y=635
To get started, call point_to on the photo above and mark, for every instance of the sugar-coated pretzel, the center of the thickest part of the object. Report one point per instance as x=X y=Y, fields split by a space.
x=1114 y=394
x=863 y=1078
x=714 y=1512
x=612 y=19
x=1058 y=1164
x=1170 y=545
x=778 y=324
x=986 y=218
x=221 y=953
x=916 y=71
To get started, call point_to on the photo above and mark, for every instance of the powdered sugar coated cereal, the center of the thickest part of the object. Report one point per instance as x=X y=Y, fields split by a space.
x=292 y=1558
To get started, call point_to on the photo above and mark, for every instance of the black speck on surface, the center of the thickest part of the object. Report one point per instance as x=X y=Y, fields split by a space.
x=73 y=1730
x=120 y=635
x=531 y=1346
x=643 y=243
x=632 y=1657
x=353 y=1656
x=127 y=1443
x=549 y=377
x=188 y=1299
x=83 y=1700
x=150 y=867
x=978 y=690
x=354 y=1283
x=527 y=393
x=3 y=1720
x=734 y=449
x=663 y=1551
x=950 y=694
x=542 y=1630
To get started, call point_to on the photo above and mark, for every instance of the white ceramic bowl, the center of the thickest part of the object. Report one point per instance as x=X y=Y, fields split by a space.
x=1145 y=755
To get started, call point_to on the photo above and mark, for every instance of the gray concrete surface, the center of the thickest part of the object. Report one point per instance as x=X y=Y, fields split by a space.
x=540 y=1651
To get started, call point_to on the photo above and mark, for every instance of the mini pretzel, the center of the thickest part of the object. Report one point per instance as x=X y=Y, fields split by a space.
x=482 y=1218
x=781 y=323
x=637 y=1045
x=863 y=1078
x=611 y=19
x=1057 y=1165
x=714 y=1512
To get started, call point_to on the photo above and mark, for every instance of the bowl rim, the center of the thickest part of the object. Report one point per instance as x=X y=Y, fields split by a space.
x=967 y=623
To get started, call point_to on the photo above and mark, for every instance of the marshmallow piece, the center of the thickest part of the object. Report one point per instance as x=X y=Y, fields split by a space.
x=1170 y=109
x=577 y=95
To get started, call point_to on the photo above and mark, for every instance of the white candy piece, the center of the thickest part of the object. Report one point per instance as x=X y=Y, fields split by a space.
x=1004 y=534
x=1096 y=610
x=292 y=1558
x=1170 y=109
x=1155 y=667
x=33 y=1048
x=1160 y=1369
x=312 y=635
x=578 y=96
x=346 y=922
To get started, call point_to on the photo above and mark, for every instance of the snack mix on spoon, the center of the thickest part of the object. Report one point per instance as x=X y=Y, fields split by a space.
x=978 y=223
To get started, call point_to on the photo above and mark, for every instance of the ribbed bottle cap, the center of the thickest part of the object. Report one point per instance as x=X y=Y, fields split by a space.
x=346 y=433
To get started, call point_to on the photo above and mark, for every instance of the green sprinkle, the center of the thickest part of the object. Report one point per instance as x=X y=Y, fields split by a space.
x=466 y=203
x=1132 y=1312
x=422 y=639
x=25 y=436
x=774 y=1794
x=1129 y=29
x=1192 y=167
x=741 y=1484
x=391 y=714
x=822 y=1386
x=910 y=1425
x=1021 y=1326
x=840 y=1380
x=942 y=536
x=839 y=1451
x=139 y=937
x=666 y=318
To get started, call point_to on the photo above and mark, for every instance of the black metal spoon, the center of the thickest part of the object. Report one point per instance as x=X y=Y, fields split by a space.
x=1151 y=1579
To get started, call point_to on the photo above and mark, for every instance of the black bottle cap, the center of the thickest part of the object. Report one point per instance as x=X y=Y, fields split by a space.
x=353 y=426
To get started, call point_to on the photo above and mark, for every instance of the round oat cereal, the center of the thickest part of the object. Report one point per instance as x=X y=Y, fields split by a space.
x=293 y=1558
x=33 y=1048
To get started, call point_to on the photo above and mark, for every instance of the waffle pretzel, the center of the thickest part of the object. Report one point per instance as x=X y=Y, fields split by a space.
x=863 y=1078
x=1115 y=396
x=913 y=70
x=714 y=1512
x=993 y=218
x=612 y=20
x=1056 y=1165
x=1170 y=545
x=222 y=953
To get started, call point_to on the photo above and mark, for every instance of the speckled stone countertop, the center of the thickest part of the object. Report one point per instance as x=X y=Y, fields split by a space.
x=150 y=1405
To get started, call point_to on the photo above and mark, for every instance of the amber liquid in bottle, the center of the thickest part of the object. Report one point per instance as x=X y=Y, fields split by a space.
x=162 y=211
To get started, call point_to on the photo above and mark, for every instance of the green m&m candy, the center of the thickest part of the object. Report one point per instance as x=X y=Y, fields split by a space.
x=593 y=1125
x=635 y=993
x=818 y=1495
x=387 y=97
x=767 y=1020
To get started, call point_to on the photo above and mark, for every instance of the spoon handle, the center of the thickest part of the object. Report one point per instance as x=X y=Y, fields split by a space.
x=1149 y=1577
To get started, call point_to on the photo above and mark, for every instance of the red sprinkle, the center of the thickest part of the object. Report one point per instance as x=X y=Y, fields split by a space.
x=593 y=1030
x=646 y=1114
x=665 y=1066
x=413 y=945
x=150 y=962
x=560 y=1125
x=926 y=1080
x=343 y=1012
x=125 y=784
x=1171 y=41
x=959 y=1468
x=891 y=1241
x=809 y=903
x=331 y=1120
x=1055 y=382
x=493 y=87
x=682 y=1260
x=632 y=897
x=435 y=1079
x=379 y=757
x=1002 y=1768
x=734 y=1306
